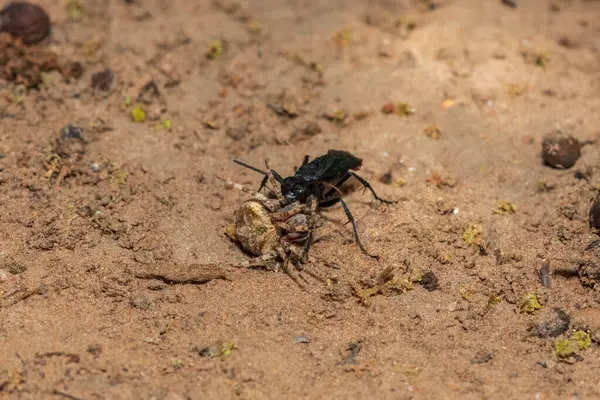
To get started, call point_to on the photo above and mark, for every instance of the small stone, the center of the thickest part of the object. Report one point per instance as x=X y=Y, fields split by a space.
x=482 y=357
x=103 y=80
x=551 y=323
x=386 y=178
x=560 y=150
x=302 y=339
x=15 y=267
x=140 y=302
x=594 y=215
x=94 y=349
x=237 y=131
x=429 y=281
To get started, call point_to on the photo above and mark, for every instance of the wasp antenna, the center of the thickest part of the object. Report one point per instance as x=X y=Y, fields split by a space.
x=243 y=164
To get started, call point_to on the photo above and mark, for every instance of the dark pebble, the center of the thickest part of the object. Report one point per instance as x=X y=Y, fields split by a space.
x=594 y=215
x=71 y=132
x=386 y=178
x=560 y=151
x=103 y=80
x=552 y=323
x=26 y=21
x=429 y=281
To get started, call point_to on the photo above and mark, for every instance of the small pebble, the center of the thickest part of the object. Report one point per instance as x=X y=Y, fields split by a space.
x=26 y=21
x=103 y=80
x=429 y=281
x=551 y=323
x=560 y=150
x=302 y=339
x=594 y=215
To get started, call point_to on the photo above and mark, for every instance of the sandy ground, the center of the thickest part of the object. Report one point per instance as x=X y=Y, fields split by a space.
x=116 y=277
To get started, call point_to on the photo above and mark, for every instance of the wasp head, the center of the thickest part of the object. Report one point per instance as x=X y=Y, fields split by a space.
x=293 y=190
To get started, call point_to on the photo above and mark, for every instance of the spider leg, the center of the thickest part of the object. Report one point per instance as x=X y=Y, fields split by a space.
x=260 y=261
x=288 y=211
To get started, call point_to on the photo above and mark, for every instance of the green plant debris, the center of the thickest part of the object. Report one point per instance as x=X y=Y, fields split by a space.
x=255 y=26
x=53 y=164
x=215 y=49
x=219 y=349
x=343 y=38
x=564 y=347
x=542 y=59
x=494 y=300
x=583 y=339
x=361 y=115
x=177 y=364
x=402 y=108
x=530 y=303
x=408 y=370
x=338 y=116
x=75 y=10
x=404 y=21
x=567 y=349
x=117 y=175
x=471 y=235
x=466 y=294
x=505 y=207
x=387 y=282
x=138 y=114
x=398 y=183
x=166 y=123
x=317 y=67
x=126 y=101
x=542 y=187
x=433 y=131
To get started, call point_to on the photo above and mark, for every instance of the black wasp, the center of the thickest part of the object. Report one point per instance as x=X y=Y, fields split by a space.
x=321 y=179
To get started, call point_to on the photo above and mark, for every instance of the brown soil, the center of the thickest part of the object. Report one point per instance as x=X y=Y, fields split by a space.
x=116 y=274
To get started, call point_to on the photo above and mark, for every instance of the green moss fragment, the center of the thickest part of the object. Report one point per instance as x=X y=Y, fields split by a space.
x=404 y=109
x=582 y=339
x=494 y=300
x=338 y=116
x=505 y=207
x=220 y=349
x=75 y=10
x=564 y=347
x=530 y=303
x=471 y=235
x=255 y=26
x=138 y=114
x=166 y=123
x=215 y=49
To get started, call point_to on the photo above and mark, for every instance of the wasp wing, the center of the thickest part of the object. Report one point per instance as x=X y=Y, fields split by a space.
x=329 y=167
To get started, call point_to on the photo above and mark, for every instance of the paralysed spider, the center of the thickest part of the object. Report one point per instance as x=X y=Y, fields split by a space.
x=275 y=234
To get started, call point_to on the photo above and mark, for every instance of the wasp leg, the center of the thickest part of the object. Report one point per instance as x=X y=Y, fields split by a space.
x=368 y=186
x=329 y=203
x=363 y=182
